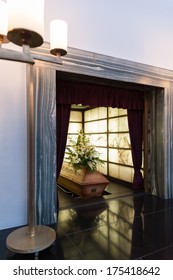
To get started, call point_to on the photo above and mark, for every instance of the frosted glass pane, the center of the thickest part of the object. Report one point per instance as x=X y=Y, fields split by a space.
x=121 y=140
x=88 y=127
x=122 y=112
x=103 y=169
x=87 y=115
x=120 y=156
x=98 y=139
x=113 y=170
x=118 y=124
x=123 y=124
x=114 y=112
x=75 y=116
x=103 y=153
x=71 y=137
x=118 y=140
x=125 y=157
x=96 y=126
x=95 y=114
x=113 y=125
x=126 y=173
x=121 y=172
x=74 y=127
x=113 y=155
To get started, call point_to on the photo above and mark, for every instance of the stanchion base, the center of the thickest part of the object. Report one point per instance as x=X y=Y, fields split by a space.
x=20 y=241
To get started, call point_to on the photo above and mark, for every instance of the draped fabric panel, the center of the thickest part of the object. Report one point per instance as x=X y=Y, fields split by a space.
x=69 y=92
x=135 y=131
x=72 y=92
x=63 y=116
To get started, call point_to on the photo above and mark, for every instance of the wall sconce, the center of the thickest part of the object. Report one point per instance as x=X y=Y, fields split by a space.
x=58 y=38
x=25 y=28
x=26 y=22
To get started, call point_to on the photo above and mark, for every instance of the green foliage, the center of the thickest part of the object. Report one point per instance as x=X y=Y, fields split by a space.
x=82 y=154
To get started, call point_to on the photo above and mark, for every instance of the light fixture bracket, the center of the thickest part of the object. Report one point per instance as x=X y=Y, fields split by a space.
x=58 y=52
x=21 y=36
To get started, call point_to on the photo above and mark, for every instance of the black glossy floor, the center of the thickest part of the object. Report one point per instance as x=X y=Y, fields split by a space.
x=120 y=226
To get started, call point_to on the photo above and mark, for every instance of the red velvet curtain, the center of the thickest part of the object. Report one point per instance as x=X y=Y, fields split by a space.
x=62 y=120
x=72 y=92
x=69 y=92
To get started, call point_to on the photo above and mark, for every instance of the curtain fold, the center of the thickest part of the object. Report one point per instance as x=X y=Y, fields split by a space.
x=135 y=130
x=62 y=120
x=70 y=92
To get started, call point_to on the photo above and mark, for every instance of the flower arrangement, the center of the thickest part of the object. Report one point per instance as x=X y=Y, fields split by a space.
x=82 y=154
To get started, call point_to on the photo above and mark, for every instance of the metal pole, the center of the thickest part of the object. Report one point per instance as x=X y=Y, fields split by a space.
x=32 y=238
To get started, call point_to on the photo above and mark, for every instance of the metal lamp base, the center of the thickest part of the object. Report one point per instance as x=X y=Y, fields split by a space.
x=20 y=241
x=21 y=36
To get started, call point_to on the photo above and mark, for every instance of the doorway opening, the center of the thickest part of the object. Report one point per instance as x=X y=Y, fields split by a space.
x=110 y=146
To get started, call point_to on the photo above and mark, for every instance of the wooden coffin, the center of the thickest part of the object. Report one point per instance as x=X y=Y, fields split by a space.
x=82 y=182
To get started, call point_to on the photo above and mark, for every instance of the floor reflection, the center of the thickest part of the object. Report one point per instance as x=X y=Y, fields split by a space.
x=137 y=228
x=131 y=226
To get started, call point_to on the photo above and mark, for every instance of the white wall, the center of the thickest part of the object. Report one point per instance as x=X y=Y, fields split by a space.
x=13 y=144
x=137 y=30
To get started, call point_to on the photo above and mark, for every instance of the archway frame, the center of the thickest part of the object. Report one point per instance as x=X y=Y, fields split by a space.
x=157 y=84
